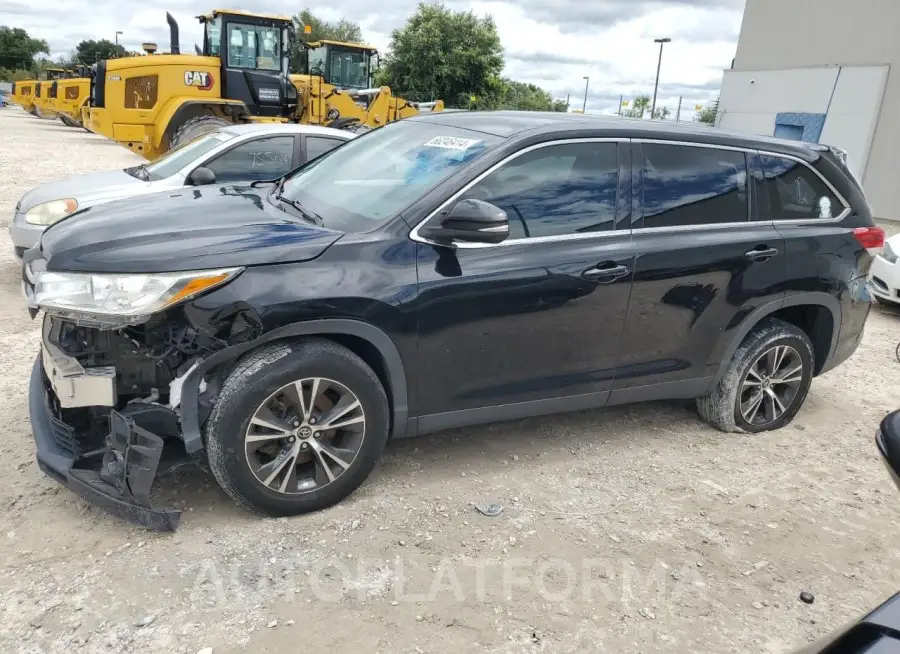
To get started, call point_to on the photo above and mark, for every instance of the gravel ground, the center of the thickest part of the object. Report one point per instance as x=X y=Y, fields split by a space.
x=633 y=529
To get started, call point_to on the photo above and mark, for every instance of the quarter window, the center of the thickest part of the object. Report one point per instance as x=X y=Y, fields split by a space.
x=796 y=192
x=262 y=159
x=685 y=185
x=557 y=190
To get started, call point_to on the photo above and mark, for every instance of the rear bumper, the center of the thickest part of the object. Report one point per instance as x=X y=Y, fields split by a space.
x=130 y=498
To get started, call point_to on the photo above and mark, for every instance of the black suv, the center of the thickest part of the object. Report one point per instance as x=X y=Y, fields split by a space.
x=441 y=271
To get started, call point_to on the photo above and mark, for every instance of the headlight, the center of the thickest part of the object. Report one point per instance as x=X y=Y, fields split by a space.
x=888 y=253
x=48 y=213
x=122 y=298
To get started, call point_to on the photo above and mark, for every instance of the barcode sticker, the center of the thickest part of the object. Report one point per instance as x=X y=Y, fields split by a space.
x=451 y=143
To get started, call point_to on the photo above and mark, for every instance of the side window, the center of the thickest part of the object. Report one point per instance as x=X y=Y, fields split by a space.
x=686 y=185
x=796 y=192
x=262 y=159
x=557 y=190
x=317 y=146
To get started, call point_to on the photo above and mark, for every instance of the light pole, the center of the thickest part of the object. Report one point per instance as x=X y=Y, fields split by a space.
x=587 y=81
x=658 y=66
x=117 y=42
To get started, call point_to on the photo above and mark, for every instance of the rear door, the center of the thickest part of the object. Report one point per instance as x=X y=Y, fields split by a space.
x=538 y=317
x=315 y=146
x=703 y=260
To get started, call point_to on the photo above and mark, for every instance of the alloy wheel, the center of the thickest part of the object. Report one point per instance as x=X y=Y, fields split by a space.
x=771 y=385
x=305 y=435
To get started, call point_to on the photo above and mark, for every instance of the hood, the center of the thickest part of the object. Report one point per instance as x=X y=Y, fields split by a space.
x=86 y=189
x=189 y=229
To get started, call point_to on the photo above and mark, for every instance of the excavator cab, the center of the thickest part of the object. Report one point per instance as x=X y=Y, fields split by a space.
x=253 y=49
x=347 y=66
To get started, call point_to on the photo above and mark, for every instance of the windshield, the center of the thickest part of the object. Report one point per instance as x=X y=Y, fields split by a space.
x=375 y=176
x=349 y=70
x=254 y=46
x=177 y=158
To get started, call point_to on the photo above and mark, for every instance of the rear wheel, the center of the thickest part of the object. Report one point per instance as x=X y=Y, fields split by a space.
x=297 y=427
x=197 y=126
x=765 y=383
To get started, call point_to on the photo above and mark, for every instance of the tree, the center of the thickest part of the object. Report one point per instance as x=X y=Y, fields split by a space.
x=447 y=54
x=638 y=107
x=708 y=113
x=89 y=52
x=662 y=113
x=18 y=49
x=560 y=106
x=524 y=96
x=343 y=30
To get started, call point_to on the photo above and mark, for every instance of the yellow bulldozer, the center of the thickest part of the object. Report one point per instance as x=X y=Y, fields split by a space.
x=152 y=103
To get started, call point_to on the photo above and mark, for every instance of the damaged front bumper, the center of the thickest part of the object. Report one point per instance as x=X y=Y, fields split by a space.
x=119 y=477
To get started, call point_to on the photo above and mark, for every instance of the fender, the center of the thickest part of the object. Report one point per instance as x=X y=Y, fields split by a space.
x=790 y=300
x=176 y=109
x=190 y=415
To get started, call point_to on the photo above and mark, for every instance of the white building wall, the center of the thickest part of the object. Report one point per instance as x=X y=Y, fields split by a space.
x=850 y=96
x=792 y=43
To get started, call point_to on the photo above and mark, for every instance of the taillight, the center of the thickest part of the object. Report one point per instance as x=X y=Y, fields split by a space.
x=871 y=238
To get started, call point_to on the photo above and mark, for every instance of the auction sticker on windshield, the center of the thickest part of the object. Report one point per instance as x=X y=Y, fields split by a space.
x=451 y=143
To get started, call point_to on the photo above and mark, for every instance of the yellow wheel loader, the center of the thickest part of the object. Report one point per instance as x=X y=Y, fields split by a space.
x=152 y=103
x=71 y=95
x=338 y=90
x=45 y=92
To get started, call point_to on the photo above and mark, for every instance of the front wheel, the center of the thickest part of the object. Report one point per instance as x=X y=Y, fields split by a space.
x=765 y=383
x=297 y=427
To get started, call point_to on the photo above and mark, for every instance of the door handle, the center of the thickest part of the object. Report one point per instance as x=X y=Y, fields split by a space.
x=761 y=254
x=605 y=273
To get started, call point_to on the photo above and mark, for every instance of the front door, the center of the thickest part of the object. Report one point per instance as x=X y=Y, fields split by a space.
x=538 y=317
x=703 y=261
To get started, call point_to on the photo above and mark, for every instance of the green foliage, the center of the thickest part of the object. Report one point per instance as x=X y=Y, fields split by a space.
x=708 y=113
x=13 y=75
x=92 y=51
x=441 y=53
x=661 y=113
x=18 y=49
x=343 y=30
x=638 y=108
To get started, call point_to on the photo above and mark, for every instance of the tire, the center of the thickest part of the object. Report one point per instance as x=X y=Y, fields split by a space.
x=197 y=126
x=254 y=381
x=722 y=408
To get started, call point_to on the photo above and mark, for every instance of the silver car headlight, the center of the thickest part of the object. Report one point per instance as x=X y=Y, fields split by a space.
x=48 y=213
x=122 y=298
x=888 y=253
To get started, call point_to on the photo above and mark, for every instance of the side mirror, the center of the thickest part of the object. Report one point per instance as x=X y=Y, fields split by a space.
x=202 y=176
x=888 y=441
x=470 y=221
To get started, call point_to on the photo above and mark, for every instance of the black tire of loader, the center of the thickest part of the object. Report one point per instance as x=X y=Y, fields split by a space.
x=196 y=126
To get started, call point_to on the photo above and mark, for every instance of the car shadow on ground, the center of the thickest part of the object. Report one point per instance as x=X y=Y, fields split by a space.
x=482 y=452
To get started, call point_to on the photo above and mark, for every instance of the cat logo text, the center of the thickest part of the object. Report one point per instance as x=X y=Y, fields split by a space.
x=199 y=79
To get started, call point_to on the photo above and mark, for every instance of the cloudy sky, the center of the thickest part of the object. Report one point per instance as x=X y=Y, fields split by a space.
x=552 y=43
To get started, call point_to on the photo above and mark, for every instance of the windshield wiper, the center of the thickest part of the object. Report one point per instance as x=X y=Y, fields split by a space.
x=311 y=216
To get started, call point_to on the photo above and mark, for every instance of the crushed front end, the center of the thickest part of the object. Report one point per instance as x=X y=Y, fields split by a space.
x=105 y=401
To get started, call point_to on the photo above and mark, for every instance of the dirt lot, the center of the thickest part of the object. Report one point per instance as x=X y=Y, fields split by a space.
x=634 y=529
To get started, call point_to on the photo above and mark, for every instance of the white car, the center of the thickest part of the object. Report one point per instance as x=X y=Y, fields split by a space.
x=884 y=275
x=239 y=153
